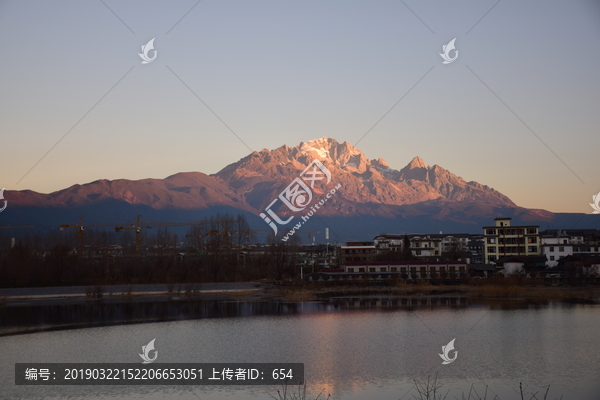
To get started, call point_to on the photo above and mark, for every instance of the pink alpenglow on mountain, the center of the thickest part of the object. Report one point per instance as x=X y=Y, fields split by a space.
x=371 y=187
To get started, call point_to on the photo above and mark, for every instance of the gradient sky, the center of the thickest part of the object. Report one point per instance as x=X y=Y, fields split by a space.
x=282 y=72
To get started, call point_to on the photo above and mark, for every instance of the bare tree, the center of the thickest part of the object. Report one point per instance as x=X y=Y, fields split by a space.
x=284 y=256
x=456 y=250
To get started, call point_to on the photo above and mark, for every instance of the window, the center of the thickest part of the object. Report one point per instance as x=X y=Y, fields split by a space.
x=461 y=268
x=423 y=269
x=490 y=232
x=532 y=240
x=371 y=269
x=413 y=269
x=383 y=269
x=561 y=249
x=350 y=269
x=394 y=269
x=551 y=258
x=402 y=269
x=491 y=240
x=491 y=259
x=361 y=270
x=442 y=269
x=532 y=231
x=432 y=269
x=452 y=269
x=418 y=252
x=551 y=249
x=491 y=249
x=532 y=249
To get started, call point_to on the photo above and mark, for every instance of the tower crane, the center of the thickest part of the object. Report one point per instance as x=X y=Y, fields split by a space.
x=81 y=231
x=138 y=226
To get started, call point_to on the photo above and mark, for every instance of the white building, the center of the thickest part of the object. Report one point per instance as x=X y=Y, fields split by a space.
x=555 y=247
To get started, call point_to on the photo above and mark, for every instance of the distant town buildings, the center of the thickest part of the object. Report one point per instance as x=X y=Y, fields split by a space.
x=434 y=246
x=501 y=248
x=358 y=252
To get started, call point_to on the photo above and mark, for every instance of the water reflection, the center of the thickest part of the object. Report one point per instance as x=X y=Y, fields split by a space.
x=354 y=348
x=41 y=317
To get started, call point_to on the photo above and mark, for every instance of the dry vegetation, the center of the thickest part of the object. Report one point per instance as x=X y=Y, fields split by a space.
x=302 y=295
x=428 y=389
x=514 y=291
x=480 y=288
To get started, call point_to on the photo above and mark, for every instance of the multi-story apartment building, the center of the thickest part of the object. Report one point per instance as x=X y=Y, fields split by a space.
x=358 y=252
x=475 y=248
x=425 y=246
x=555 y=245
x=434 y=246
x=389 y=242
x=453 y=239
x=502 y=239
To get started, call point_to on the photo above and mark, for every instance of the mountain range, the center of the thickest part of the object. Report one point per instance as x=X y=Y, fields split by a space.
x=373 y=198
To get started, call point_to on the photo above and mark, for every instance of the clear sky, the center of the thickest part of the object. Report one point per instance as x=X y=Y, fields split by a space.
x=282 y=72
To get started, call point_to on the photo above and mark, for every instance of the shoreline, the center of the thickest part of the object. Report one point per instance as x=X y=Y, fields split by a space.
x=261 y=291
x=71 y=308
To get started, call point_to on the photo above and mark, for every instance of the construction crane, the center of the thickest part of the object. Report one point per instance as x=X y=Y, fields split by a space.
x=214 y=232
x=138 y=233
x=138 y=226
x=80 y=233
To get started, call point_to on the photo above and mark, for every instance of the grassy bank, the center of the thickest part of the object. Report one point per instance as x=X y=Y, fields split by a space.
x=504 y=289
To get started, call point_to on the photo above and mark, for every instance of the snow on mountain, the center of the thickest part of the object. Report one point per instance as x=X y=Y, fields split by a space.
x=368 y=187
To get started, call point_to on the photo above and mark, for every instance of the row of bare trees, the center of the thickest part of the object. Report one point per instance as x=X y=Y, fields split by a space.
x=219 y=248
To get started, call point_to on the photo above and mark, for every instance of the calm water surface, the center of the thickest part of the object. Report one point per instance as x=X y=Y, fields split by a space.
x=352 y=353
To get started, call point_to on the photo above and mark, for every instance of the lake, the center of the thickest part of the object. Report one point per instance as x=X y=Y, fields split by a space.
x=352 y=349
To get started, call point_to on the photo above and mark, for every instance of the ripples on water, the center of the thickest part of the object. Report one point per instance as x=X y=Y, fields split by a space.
x=353 y=348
